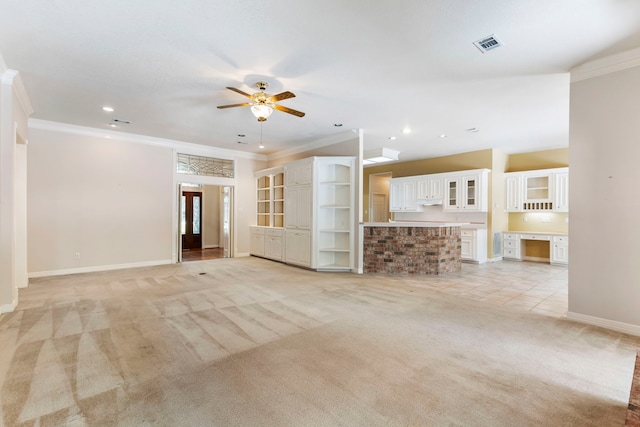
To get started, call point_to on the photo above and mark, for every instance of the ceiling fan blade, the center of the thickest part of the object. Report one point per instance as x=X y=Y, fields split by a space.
x=246 y=104
x=281 y=96
x=239 y=91
x=288 y=110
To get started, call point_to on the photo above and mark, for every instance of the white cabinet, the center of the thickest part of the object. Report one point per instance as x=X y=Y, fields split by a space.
x=473 y=245
x=299 y=172
x=319 y=215
x=403 y=195
x=430 y=187
x=335 y=214
x=270 y=197
x=267 y=242
x=544 y=190
x=256 y=243
x=274 y=244
x=561 y=196
x=513 y=185
x=560 y=250
x=297 y=201
x=511 y=246
x=298 y=247
x=466 y=192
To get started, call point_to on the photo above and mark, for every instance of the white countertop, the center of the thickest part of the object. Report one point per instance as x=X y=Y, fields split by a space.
x=414 y=224
x=549 y=233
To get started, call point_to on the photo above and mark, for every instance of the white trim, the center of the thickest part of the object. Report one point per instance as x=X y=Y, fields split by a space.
x=614 y=325
x=98 y=268
x=241 y=254
x=8 y=308
x=21 y=95
x=183 y=147
x=210 y=246
x=599 y=67
x=495 y=259
x=323 y=142
x=3 y=65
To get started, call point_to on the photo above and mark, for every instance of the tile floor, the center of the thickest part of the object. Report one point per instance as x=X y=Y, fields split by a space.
x=530 y=286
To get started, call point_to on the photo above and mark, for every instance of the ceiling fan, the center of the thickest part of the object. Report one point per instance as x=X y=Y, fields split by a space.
x=262 y=104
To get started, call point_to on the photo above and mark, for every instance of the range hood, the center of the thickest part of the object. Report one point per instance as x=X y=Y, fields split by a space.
x=429 y=202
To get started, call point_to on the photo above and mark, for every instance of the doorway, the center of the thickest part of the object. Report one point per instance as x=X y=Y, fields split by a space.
x=191 y=220
x=205 y=222
x=379 y=197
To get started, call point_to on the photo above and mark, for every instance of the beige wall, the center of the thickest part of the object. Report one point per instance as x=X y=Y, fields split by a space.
x=604 y=151
x=108 y=200
x=211 y=216
x=346 y=148
x=547 y=159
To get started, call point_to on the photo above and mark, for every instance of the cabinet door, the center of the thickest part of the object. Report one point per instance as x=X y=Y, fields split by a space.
x=513 y=185
x=452 y=196
x=256 y=244
x=396 y=196
x=436 y=187
x=298 y=247
x=273 y=247
x=561 y=192
x=467 y=248
x=410 y=195
x=299 y=174
x=470 y=192
x=297 y=213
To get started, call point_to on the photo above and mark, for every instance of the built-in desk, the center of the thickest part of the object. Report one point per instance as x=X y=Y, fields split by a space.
x=555 y=250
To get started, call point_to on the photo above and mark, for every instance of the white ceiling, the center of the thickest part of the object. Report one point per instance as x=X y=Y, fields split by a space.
x=377 y=65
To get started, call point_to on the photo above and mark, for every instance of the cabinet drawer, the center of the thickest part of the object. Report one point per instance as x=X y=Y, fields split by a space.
x=256 y=230
x=510 y=236
x=561 y=239
x=275 y=232
x=510 y=243
x=511 y=253
x=535 y=237
x=467 y=233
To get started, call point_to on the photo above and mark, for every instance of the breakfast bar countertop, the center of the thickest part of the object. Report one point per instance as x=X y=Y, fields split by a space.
x=414 y=224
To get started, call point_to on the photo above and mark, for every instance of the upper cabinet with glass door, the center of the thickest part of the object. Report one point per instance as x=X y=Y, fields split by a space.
x=466 y=191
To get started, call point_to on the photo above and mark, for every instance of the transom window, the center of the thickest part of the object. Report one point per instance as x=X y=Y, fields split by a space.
x=199 y=165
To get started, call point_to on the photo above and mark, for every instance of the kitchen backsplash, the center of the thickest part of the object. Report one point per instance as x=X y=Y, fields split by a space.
x=435 y=213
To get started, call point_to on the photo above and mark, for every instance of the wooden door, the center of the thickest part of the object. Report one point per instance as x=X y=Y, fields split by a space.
x=191 y=222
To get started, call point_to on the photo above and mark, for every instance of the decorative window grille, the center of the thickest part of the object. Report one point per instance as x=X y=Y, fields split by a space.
x=199 y=165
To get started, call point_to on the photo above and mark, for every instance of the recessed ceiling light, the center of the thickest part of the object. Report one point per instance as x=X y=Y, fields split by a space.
x=337 y=125
x=260 y=146
x=406 y=131
x=107 y=109
x=392 y=138
x=443 y=136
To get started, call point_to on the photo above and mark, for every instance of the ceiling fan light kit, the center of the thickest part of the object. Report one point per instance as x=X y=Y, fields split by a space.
x=262 y=104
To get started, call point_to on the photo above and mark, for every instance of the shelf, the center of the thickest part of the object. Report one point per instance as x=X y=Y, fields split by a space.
x=335 y=206
x=333 y=250
x=335 y=183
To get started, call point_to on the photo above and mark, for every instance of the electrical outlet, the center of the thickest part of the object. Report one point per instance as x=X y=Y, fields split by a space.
x=77 y=255
x=546 y=218
x=525 y=218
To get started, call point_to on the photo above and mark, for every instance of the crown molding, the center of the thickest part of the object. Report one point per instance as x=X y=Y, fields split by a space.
x=185 y=147
x=3 y=65
x=609 y=64
x=323 y=142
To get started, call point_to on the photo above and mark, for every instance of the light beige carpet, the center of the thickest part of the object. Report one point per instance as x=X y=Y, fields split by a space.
x=248 y=342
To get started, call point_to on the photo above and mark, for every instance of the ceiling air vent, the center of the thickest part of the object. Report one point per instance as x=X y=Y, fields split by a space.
x=488 y=43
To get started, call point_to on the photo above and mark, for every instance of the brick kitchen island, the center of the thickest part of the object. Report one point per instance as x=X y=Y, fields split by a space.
x=411 y=247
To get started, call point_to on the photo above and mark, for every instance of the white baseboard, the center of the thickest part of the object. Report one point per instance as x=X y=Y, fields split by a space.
x=238 y=255
x=8 y=308
x=98 y=268
x=614 y=325
x=210 y=246
x=496 y=259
